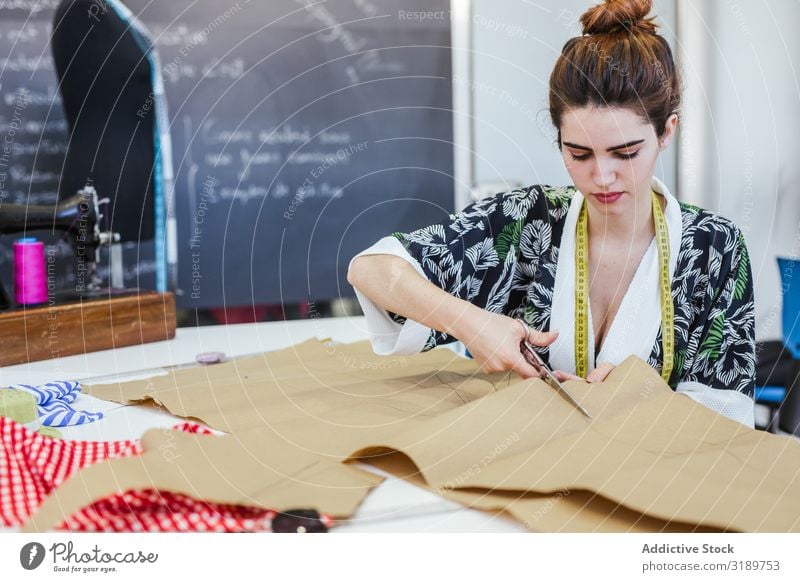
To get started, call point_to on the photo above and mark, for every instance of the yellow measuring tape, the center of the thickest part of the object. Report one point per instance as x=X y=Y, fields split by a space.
x=582 y=291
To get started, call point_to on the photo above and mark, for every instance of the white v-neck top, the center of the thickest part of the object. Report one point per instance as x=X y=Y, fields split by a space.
x=638 y=320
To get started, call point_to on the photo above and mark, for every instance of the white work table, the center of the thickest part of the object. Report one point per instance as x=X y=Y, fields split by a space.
x=393 y=506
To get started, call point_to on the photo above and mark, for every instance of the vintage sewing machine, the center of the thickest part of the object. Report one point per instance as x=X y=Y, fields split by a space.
x=89 y=316
x=115 y=164
x=79 y=218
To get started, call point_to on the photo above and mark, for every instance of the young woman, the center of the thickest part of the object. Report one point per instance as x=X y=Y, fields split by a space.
x=609 y=267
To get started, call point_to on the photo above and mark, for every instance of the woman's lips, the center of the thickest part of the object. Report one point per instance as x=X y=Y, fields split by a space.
x=607 y=197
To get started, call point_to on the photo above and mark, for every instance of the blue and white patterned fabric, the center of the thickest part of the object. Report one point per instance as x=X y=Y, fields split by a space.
x=54 y=400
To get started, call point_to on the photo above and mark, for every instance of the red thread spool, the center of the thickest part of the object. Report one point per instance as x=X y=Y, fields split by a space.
x=30 y=277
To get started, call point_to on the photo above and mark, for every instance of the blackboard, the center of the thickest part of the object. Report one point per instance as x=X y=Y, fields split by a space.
x=302 y=132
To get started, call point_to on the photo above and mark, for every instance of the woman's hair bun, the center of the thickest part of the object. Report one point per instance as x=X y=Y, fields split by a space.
x=619 y=15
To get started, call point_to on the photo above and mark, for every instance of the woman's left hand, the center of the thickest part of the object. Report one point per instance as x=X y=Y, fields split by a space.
x=597 y=375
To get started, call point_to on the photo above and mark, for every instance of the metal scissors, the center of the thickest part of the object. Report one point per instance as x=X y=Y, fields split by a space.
x=546 y=374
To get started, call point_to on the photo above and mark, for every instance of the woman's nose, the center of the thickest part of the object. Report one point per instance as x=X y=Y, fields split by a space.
x=603 y=173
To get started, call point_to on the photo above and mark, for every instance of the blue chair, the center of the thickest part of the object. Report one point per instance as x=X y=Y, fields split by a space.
x=775 y=396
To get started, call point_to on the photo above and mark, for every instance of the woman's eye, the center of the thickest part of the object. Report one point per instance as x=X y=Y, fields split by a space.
x=583 y=157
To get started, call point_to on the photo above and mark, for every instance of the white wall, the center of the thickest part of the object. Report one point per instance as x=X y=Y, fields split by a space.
x=740 y=150
x=516 y=43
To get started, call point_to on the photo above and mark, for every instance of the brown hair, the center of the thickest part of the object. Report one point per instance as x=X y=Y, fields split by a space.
x=620 y=61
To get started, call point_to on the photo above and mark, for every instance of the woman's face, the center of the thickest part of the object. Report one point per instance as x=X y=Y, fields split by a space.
x=610 y=155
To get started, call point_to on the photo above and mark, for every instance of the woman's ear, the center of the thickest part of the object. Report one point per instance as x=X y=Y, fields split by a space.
x=669 y=131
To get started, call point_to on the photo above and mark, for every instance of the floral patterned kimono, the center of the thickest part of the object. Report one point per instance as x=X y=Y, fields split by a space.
x=514 y=254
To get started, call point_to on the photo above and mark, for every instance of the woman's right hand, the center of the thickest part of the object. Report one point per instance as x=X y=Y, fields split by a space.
x=493 y=340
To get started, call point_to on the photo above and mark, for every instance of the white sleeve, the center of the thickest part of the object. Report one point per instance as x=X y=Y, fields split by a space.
x=728 y=403
x=388 y=337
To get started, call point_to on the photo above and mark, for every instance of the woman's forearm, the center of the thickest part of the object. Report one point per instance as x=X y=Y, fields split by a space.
x=492 y=339
x=393 y=284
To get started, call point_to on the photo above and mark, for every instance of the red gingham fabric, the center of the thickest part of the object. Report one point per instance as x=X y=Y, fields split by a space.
x=32 y=466
x=155 y=511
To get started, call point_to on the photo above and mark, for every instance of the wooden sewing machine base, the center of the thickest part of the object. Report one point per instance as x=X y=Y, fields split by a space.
x=40 y=333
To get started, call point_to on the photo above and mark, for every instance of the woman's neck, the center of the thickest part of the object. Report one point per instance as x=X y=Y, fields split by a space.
x=623 y=228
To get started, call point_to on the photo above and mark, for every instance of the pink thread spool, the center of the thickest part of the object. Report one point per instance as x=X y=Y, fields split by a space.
x=30 y=278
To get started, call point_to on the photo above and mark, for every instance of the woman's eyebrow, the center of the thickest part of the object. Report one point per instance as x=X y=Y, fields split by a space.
x=619 y=147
